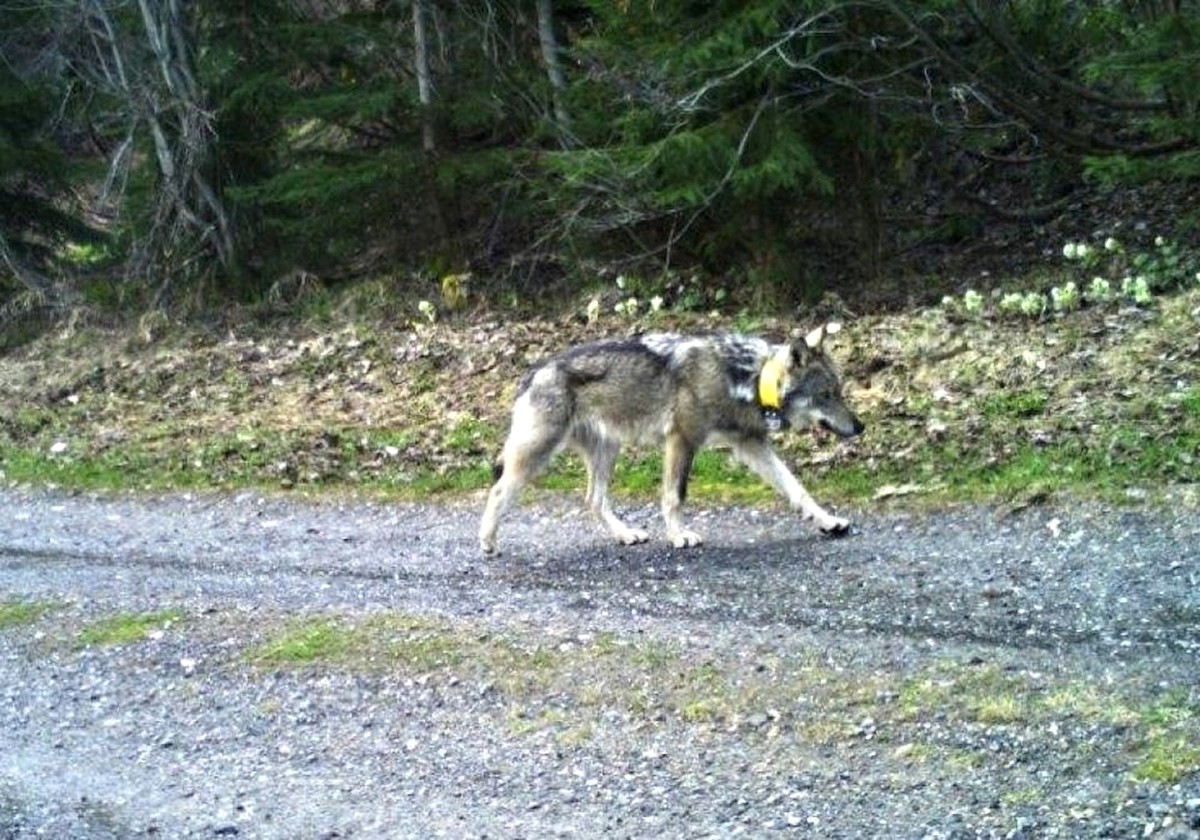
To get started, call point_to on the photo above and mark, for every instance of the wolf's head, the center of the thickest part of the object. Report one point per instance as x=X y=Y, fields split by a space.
x=810 y=393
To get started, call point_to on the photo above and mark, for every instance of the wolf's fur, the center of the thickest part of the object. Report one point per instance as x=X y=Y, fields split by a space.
x=681 y=391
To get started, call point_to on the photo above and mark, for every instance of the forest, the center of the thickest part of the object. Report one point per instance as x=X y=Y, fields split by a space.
x=183 y=156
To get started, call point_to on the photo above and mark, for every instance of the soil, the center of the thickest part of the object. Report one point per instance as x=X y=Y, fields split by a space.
x=946 y=674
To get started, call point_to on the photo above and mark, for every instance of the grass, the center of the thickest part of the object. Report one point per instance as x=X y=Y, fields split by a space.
x=1190 y=403
x=469 y=435
x=1014 y=403
x=20 y=613
x=1168 y=758
x=946 y=471
x=391 y=641
x=1169 y=745
x=126 y=628
x=716 y=477
x=305 y=642
x=984 y=694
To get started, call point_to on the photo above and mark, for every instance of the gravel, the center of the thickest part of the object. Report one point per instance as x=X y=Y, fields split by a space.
x=949 y=674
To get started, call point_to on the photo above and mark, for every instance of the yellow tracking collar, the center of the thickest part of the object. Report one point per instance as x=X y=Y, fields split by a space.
x=770 y=378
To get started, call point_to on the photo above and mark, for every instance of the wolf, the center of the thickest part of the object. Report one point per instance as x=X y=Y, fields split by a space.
x=680 y=391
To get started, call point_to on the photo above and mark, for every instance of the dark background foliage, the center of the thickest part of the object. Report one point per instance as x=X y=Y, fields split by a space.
x=172 y=154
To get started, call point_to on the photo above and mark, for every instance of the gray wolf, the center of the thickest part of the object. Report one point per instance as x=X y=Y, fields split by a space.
x=681 y=391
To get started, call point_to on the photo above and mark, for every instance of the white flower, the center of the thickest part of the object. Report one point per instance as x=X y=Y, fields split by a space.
x=1011 y=302
x=1033 y=304
x=1065 y=298
x=1111 y=244
x=593 y=310
x=1159 y=242
x=1099 y=291
x=1083 y=250
x=1137 y=290
x=621 y=282
x=1069 y=250
x=656 y=303
x=629 y=306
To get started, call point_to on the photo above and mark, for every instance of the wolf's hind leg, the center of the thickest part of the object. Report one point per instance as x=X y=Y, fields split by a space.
x=531 y=443
x=600 y=455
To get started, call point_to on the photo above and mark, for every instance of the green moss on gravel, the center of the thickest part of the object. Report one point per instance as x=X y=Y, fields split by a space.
x=126 y=628
x=20 y=613
x=649 y=683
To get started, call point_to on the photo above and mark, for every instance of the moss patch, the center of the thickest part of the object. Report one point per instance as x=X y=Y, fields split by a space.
x=19 y=613
x=126 y=628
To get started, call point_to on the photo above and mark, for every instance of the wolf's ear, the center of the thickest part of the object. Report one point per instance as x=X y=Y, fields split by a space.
x=815 y=338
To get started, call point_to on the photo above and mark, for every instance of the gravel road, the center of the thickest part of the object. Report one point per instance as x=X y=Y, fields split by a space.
x=961 y=673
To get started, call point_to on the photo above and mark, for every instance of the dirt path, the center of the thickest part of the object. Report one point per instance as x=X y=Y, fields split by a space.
x=358 y=670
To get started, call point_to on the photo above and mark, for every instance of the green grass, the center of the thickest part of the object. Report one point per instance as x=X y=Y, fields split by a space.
x=126 y=628
x=392 y=640
x=945 y=472
x=305 y=642
x=1168 y=758
x=1169 y=746
x=957 y=468
x=716 y=477
x=22 y=465
x=19 y=613
x=1014 y=403
x=1000 y=708
x=1190 y=404
x=165 y=460
x=470 y=435
x=950 y=472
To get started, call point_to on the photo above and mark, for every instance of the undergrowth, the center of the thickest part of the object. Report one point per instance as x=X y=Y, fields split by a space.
x=1098 y=402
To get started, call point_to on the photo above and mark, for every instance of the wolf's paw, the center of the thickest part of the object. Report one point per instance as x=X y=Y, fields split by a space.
x=487 y=546
x=686 y=539
x=632 y=536
x=835 y=526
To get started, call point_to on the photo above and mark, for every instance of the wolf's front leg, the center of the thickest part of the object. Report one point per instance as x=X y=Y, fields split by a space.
x=677 y=465
x=760 y=458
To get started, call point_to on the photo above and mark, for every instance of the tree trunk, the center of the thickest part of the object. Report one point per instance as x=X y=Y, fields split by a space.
x=424 y=82
x=554 y=72
x=428 y=133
